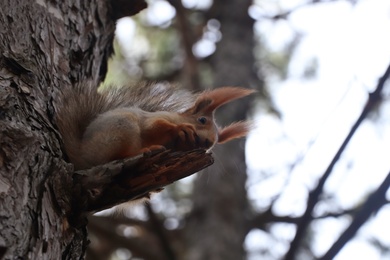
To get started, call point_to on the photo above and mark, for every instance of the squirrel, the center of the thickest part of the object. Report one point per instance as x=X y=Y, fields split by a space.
x=120 y=122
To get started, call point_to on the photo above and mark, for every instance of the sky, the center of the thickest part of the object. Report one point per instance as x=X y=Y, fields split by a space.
x=351 y=46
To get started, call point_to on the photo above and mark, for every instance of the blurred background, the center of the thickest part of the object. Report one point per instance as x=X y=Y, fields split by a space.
x=311 y=180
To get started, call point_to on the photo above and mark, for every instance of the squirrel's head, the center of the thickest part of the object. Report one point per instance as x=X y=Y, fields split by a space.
x=202 y=116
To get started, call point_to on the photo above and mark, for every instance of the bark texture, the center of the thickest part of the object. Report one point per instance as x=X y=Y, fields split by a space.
x=45 y=46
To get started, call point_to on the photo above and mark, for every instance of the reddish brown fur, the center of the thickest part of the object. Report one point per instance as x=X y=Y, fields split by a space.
x=235 y=130
x=221 y=96
x=124 y=122
x=210 y=100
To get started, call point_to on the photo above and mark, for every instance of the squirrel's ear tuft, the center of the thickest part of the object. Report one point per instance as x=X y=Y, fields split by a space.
x=235 y=130
x=218 y=97
x=201 y=105
x=208 y=101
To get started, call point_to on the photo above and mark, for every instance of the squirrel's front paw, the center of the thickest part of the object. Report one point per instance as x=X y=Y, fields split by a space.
x=187 y=137
x=153 y=149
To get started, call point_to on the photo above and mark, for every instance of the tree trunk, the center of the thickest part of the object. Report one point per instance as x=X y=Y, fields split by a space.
x=44 y=46
x=217 y=226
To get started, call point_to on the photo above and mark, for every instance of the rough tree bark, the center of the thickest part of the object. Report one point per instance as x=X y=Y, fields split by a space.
x=45 y=46
x=217 y=225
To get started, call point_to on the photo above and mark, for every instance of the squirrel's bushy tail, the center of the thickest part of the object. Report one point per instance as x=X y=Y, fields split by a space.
x=77 y=107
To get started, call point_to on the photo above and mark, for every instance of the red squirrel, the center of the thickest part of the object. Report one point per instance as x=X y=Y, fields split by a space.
x=116 y=123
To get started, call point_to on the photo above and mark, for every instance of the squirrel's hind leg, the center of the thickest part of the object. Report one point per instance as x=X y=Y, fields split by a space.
x=111 y=136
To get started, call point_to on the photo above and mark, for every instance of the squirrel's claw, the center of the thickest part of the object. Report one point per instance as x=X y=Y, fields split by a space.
x=151 y=150
x=187 y=137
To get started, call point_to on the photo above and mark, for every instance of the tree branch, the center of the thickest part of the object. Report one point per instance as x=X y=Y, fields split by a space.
x=107 y=231
x=263 y=219
x=188 y=40
x=372 y=204
x=161 y=234
x=285 y=14
x=107 y=185
x=374 y=99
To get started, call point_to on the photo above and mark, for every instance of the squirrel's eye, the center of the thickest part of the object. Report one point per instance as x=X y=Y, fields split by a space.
x=202 y=120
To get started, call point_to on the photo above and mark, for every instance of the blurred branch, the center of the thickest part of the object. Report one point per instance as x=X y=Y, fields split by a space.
x=374 y=99
x=372 y=205
x=107 y=232
x=261 y=220
x=285 y=14
x=120 y=219
x=161 y=233
x=151 y=232
x=188 y=40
